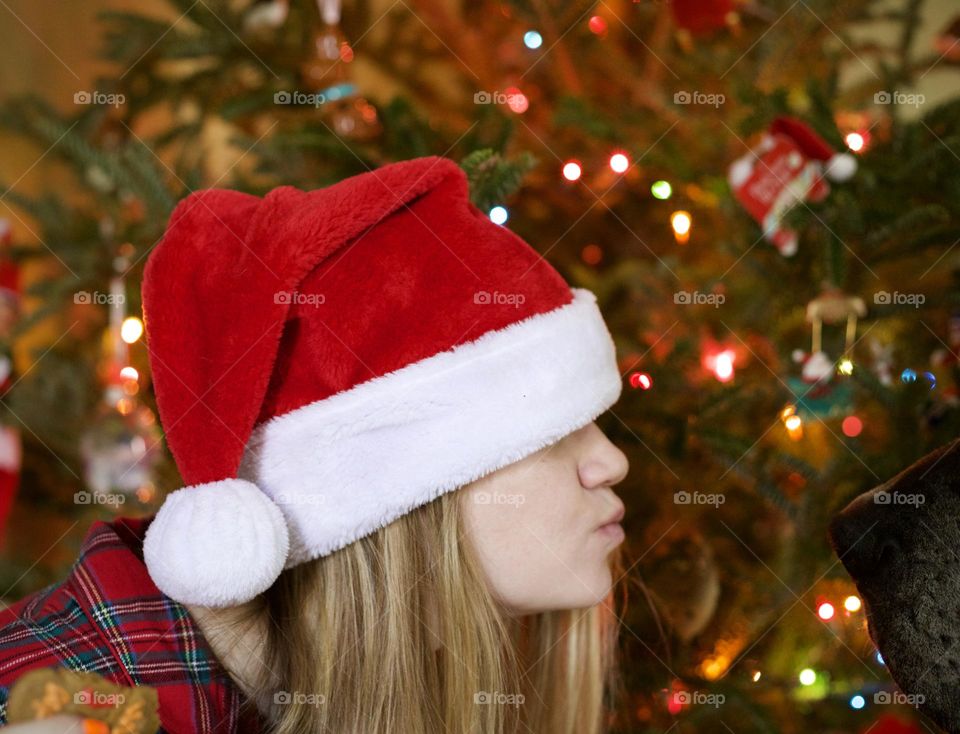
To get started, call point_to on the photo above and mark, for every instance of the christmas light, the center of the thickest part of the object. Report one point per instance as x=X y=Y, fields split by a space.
x=721 y=364
x=532 y=40
x=756 y=675
x=129 y=373
x=851 y=426
x=641 y=380
x=931 y=378
x=858 y=702
x=661 y=190
x=880 y=658
x=826 y=611
x=597 y=25
x=792 y=422
x=681 y=223
x=499 y=215
x=131 y=329
x=852 y=604
x=591 y=254
x=855 y=142
x=845 y=366
x=807 y=677
x=516 y=100
x=619 y=163
x=908 y=376
x=572 y=170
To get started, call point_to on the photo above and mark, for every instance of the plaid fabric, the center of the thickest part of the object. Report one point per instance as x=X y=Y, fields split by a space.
x=108 y=617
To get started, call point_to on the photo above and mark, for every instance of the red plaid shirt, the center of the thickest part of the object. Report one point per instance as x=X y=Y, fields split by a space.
x=108 y=617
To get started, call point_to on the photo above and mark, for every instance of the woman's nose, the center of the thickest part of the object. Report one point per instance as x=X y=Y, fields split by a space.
x=604 y=467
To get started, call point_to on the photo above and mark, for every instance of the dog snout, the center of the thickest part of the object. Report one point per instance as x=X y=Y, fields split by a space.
x=863 y=539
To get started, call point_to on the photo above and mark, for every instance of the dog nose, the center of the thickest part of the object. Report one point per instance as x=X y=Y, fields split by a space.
x=863 y=539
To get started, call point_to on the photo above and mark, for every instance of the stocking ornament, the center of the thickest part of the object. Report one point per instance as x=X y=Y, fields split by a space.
x=788 y=167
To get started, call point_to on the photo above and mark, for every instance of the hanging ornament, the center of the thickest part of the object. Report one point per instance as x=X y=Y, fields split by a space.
x=815 y=391
x=11 y=449
x=684 y=583
x=786 y=168
x=265 y=15
x=947 y=41
x=702 y=18
x=892 y=724
x=121 y=449
x=327 y=73
x=882 y=361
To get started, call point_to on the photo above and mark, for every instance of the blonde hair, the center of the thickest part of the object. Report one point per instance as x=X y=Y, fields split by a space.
x=349 y=642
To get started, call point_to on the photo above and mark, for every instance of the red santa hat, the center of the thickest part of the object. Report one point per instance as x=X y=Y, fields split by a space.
x=326 y=361
x=836 y=166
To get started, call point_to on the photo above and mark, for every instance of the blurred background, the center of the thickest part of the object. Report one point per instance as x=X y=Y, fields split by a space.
x=764 y=196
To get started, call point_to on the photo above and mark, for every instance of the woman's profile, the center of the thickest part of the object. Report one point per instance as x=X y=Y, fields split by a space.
x=398 y=512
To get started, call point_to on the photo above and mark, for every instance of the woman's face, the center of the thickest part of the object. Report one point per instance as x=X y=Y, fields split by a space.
x=544 y=526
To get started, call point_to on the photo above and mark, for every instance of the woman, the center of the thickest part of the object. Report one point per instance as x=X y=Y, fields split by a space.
x=329 y=367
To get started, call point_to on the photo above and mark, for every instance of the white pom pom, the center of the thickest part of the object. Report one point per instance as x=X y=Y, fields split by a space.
x=217 y=544
x=841 y=167
x=740 y=170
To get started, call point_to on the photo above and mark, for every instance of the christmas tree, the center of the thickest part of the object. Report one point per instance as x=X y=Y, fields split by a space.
x=766 y=207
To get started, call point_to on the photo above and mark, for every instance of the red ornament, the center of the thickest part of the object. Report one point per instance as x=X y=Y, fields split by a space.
x=702 y=17
x=890 y=724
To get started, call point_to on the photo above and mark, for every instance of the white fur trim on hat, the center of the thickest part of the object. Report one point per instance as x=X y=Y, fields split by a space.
x=342 y=467
x=216 y=544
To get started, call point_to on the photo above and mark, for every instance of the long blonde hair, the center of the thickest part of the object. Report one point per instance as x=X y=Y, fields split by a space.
x=349 y=643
